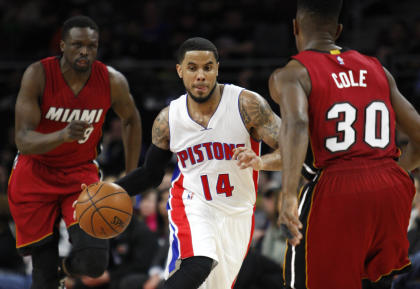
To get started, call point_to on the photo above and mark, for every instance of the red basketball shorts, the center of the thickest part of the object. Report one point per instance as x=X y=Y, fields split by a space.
x=40 y=195
x=355 y=218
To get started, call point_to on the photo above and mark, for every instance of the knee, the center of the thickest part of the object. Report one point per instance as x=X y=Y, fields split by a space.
x=90 y=261
x=191 y=274
x=198 y=266
x=45 y=263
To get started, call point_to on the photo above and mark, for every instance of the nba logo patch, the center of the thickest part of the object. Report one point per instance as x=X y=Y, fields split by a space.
x=340 y=60
x=189 y=195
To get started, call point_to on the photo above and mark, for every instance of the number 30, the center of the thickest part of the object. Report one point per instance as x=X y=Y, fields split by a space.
x=374 y=135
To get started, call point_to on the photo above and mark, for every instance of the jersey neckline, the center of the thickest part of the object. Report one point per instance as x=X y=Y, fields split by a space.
x=67 y=84
x=213 y=115
x=332 y=51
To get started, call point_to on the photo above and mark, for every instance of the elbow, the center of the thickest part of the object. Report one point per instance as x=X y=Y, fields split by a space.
x=415 y=139
x=302 y=125
x=24 y=151
x=20 y=145
x=134 y=120
x=299 y=123
x=25 y=147
x=295 y=129
x=415 y=146
x=157 y=178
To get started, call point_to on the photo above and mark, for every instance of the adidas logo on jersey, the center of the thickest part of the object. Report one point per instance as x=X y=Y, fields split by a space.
x=68 y=114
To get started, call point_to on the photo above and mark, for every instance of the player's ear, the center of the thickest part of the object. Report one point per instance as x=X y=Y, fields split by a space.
x=295 y=27
x=339 y=30
x=62 y=45
x=179 y=70
x=217 y=69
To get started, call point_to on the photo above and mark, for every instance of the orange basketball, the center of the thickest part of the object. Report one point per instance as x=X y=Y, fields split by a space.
x=104 y=210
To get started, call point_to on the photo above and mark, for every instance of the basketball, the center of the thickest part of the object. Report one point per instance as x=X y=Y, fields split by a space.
x=103 y=210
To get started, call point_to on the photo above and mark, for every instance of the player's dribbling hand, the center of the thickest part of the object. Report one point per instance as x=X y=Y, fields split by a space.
x=289 y=218
x=82 y=186
x=247 y=158
x=75 y=130
x=153 y=282
x=96 y=281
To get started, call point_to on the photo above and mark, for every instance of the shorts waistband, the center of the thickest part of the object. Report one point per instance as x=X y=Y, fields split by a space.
x=360 y=164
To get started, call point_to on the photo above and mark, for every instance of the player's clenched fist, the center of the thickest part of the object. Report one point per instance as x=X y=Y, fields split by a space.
x=246 y=158
x=289 y=217
x=75 y=130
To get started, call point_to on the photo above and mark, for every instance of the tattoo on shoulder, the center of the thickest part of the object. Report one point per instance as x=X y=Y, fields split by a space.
x=255 y=111
x=260 y=120
x=160 y=129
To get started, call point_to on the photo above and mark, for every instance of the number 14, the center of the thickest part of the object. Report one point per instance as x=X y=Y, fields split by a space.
x=222 y=187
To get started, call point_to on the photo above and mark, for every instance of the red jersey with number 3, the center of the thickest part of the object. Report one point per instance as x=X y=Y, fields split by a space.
x=350 y=112
x=59 y=106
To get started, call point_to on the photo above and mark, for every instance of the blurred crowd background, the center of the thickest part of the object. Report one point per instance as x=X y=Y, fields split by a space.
x=139 y=38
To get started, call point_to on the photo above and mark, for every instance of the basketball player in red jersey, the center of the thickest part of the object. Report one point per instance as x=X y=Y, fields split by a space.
x=60 y=110
x=351 y=222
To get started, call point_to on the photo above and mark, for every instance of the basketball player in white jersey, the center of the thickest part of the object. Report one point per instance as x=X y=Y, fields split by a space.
x=212 y=198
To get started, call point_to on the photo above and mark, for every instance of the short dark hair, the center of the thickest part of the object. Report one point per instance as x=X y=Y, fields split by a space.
x=78 y=21
x=321 y=8
x=196 y=43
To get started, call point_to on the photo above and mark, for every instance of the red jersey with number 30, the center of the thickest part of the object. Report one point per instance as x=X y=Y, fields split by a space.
x=350 y=112
x=59 y=106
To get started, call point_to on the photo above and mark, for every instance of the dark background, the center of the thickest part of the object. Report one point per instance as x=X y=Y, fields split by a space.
x=139 y=38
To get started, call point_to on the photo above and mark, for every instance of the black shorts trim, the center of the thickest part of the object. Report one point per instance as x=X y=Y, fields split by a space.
x=296 y=256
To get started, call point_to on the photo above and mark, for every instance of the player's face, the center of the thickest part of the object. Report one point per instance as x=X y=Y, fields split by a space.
x=80 y=48
x=199 y=71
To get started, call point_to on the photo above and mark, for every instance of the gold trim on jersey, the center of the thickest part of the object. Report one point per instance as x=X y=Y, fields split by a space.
x=32 y=242
x=393 y=271
x=335 y=51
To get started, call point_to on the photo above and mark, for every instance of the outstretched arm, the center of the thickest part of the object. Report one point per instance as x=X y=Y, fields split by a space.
x=287 y=88
x=125 y=107
x=28 y=116
x=408 y=121
x=262 y=124
x=157 y=157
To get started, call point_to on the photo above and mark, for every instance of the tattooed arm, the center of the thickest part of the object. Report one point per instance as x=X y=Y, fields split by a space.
x=157 y=157
x=262 y=124
x=160 y=129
